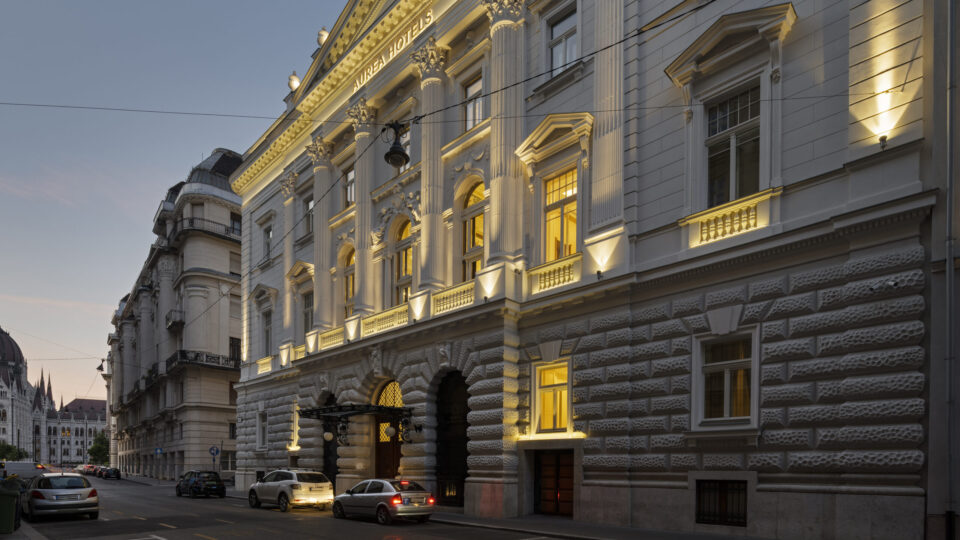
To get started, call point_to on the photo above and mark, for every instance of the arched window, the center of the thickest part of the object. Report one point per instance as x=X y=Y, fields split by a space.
x=390 y=396
x=349 y=282
x=472 y=232
x=403 y=264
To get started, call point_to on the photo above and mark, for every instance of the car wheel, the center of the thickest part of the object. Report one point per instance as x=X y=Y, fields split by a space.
x=94 y=515
x=253 y=499
x=383 y=516
x=423 y=519
x=284 y=502
x=338 y=511
x=179 y=493
x=193 y=493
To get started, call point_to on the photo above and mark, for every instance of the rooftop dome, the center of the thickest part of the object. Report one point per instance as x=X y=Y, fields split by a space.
x=9 y=350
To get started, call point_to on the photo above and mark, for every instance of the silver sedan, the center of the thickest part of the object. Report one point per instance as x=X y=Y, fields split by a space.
x=386 y=500
x=53 y=494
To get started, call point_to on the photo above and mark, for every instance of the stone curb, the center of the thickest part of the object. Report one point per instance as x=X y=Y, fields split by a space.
x=551 y=534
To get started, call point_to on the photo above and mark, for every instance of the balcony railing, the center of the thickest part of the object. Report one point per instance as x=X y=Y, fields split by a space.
x=201 y=224
x=737 y=217
x=264 y=365
x=453 y=298
x=174 y=318
x=385 y=320
x=331 y=338
x=299 y=352
x=555 y=273
x=182 y=357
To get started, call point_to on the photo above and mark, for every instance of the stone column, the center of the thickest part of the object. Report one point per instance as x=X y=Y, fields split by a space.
x=430 y=59
x=166 y=301
x=287 y=184
x=606 y=189
x=364 y=169
x=506 y=111
x=320 y=153
x=195 y=305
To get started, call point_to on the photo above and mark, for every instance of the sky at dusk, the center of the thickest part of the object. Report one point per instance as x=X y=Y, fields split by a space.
x=79 y=188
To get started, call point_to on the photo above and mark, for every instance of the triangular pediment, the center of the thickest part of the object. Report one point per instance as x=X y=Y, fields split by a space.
x=299 y=270
x=555 y=132
x=262 y=293
x=729 y=38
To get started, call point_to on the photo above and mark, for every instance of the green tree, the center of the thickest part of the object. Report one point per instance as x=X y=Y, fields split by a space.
x=100 y=449
x=9 y=452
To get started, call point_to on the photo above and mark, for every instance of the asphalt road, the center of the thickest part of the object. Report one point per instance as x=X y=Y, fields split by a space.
x=133 y=511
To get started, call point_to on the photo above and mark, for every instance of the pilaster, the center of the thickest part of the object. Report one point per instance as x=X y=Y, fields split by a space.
x=430 y=60
x=363 y=118
x=166 y=270
x=320 y=153
x=606 y=186
x=287 y=184
x=145 y=350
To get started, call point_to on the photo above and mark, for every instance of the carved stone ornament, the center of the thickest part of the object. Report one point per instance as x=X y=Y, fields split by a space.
x=430 y=59
x=320 y=152
x=376 y=361
x=166 y=267
x=503 y=10
x=400 y=203
x=443 y=353
x=362 y=115
x=287 y=184
x=775 y=75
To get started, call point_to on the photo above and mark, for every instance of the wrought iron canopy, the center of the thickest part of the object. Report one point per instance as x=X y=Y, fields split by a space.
x=332 y=412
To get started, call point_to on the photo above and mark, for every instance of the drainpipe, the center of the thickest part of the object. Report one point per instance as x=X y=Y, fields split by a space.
x=950 y=272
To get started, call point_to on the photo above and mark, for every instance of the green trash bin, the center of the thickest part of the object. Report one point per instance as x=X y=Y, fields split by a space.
x=9 y=499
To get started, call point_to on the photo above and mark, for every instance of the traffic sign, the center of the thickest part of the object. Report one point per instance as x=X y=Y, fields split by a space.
x=214 y=451
x=158 y=451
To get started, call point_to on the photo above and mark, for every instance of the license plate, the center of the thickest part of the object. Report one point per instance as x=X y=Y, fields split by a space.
x=67 y=497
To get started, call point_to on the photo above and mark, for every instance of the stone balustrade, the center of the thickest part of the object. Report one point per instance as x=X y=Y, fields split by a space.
x=555 y=273
x=453 y=298
x=385 y=320
x=331 y=338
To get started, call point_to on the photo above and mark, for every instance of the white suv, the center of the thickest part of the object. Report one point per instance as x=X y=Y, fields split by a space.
x=289 y=488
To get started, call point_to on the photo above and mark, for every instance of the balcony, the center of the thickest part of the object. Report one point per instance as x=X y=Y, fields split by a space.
x=734 y=218
x=299 y=352
x=174 y=319
x=264 y=365
x=555 y=273
x=199 y=358
x=200 y=224
x=331 y=338
x=385 y=320
x=135 y=391
x=452 y=298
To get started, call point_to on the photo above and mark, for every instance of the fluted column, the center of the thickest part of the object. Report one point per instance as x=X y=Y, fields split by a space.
x=287 y=185
x=363 y=118
x=430 y=59
x=506 y=178
x=166 y=269
x=320 y=153
x=606 y=188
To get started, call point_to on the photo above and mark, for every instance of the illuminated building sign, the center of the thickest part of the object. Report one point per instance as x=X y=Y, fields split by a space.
x=396 y=45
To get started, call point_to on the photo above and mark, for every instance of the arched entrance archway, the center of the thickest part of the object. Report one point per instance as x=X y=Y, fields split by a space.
x=451 y=439
x=330 y=448
x=388 y=446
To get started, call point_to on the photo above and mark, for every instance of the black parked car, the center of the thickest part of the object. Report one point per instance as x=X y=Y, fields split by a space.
x=110 y=472
x=196 y=483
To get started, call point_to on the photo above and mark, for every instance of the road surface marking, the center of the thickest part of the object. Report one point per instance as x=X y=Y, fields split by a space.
x=140 y=518
x=167 y=526
x=224 y=521
x=204 y=536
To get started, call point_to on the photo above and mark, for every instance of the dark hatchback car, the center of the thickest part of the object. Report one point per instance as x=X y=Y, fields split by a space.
x=196 y=483
x=110 y=472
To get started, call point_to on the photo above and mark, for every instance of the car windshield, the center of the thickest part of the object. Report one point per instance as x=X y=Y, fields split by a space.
x=209 y=476
x=406 y=485
x=63 y=482
x=311 y=478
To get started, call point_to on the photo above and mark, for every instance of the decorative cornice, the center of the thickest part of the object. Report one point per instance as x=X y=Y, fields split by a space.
x=430 y=59
x=504 y=10
x=362 y=115
x=320 y=152
x=288 y=184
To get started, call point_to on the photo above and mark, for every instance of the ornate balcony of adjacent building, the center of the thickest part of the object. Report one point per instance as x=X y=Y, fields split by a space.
x=385 y=320
x=174 y=319
x=555 y=273
x=200 y=224
x=200 y=358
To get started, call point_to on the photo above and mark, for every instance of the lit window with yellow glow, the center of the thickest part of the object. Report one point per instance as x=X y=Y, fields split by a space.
x=403 y=262
x=390 y=396
x=560 y=210
x=553 y=398
x=473 y=232
x=726 y=379
x=733 y=147
x=349 y=283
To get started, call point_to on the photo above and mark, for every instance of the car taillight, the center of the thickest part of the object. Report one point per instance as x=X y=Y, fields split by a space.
x=93 y=493
x=36 y=495
x=396 y=501
x=296 y=487
x=431 y=500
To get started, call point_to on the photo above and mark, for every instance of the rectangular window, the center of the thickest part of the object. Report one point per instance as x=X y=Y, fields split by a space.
x=308 y=215
x=348 y=292
x=262 y=430
x=563 y=42
x=267 y=241
x=232 y=431
x=733 y=147
x=473 y=109
x=235 y=222
x=349 y=187
x=235 y=349
x=726 y=379
x=196 y=210
x=553 y=397
x=234 y=263
x=722 y=502
x=235 y=306
x=560 y=209
x=307 y=312
x=267 y=333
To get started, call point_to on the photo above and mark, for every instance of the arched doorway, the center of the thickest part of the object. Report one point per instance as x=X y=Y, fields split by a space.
x=330 y=447
x=451 y=439
x=388 y=447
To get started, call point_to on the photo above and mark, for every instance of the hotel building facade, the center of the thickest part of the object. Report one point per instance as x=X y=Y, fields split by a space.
x=673 y=264
x=175 y=349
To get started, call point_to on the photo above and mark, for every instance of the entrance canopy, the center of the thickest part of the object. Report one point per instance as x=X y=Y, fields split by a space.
x=337 y=412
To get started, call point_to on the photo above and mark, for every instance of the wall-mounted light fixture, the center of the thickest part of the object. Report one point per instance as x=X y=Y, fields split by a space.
x=883 y=142
x=599 y=275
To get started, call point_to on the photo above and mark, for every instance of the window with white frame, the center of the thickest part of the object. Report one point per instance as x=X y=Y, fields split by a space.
x=726 y=382
x=473 y=102
x=349 y=187
x=261 y=429
x=403 y=264
x=267 y=321
x=562 y=46
x=560 y=215
x=267 y=240
x=733 y=146
x=472 y=232
x=306 y=305
x=552 y=384
x=308 y=214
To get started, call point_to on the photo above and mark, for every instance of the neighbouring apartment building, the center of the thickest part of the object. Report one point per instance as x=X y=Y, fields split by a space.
x=666 y=264
x=175 y=352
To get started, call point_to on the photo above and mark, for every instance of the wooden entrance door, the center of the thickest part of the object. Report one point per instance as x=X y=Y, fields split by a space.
x=387 y=446
x=553 y=482
x=451 y=439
